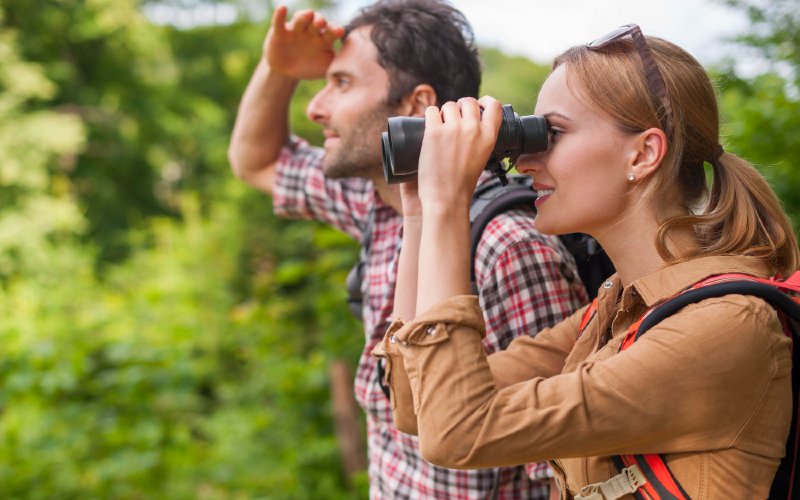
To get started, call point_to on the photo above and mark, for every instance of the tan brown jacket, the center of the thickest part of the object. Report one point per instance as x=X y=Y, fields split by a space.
x=708 y=387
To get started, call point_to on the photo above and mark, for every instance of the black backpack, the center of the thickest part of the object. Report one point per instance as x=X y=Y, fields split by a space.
x=491 y=199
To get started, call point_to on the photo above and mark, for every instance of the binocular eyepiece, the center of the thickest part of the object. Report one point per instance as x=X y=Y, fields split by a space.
x=402 y=143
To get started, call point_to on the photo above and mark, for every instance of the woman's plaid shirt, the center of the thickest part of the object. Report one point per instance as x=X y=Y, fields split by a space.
x=527 y=281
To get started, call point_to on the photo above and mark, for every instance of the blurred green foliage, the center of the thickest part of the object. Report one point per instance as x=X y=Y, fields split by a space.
x=762 y=114
x=513 y=80
x=164 y=335
x=161 y=382
x=762 y=122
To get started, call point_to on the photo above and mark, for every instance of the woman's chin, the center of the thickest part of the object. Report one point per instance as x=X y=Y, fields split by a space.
x=541 y=224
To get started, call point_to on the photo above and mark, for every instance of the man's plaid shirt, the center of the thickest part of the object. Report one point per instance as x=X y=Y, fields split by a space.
x=527 y=281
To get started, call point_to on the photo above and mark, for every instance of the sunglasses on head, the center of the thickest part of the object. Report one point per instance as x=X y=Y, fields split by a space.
x=654 y=78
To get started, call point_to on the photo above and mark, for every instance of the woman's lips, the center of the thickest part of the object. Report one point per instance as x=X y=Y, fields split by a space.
x=542 y=194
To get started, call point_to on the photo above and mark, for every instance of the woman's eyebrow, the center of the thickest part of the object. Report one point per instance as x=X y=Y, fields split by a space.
x=556 y=114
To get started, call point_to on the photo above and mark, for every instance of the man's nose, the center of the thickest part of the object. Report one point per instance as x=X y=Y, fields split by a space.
x=317 y=110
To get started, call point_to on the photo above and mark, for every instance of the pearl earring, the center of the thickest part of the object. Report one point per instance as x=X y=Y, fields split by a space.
x=631 y=177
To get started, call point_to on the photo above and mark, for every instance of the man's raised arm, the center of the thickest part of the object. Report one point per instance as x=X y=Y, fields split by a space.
x=296 y=50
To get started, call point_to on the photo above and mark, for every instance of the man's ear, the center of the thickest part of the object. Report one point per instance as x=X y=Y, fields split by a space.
x=417 y=100
x=648 y=150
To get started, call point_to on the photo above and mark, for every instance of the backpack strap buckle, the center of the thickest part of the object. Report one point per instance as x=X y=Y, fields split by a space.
x=626 y=482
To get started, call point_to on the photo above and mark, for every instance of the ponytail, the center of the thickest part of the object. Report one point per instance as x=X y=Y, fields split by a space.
x=743 y=216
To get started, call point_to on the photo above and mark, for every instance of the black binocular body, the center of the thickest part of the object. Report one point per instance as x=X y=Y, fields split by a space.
x=402 y=142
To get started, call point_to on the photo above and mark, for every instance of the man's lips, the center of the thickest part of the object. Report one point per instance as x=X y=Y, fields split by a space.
x=330 y=137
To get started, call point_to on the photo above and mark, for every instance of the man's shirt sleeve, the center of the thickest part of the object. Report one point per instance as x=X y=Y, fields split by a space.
x=527 y=281
x=303 y=191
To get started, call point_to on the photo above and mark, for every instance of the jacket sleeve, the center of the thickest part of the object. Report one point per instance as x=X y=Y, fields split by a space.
x=524 y=359
x=542 y=356
x=396 y=378
x=692 y=383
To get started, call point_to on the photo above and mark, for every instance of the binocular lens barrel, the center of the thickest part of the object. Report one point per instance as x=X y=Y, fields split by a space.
x=402 y=143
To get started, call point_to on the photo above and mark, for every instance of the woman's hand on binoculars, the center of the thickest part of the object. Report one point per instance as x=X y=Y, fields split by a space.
x=303 y=47
x=457 y=144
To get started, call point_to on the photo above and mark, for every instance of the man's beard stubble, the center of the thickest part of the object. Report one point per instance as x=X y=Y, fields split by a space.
x=358 y=153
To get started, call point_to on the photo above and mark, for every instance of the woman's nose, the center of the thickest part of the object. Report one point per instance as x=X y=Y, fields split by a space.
x=530 y=163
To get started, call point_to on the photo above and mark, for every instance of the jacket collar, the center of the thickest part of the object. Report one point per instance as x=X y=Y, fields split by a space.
x=675 y=278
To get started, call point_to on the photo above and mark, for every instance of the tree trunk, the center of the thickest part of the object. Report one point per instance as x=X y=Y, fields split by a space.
x=347 y=418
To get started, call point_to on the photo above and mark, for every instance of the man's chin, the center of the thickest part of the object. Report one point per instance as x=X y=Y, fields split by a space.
x=336 y=170
x=343 y=170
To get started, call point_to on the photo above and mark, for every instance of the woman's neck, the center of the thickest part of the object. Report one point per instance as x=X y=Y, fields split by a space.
x=631 y=246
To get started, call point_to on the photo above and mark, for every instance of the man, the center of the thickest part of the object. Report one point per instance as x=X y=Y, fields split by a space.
x=397 y=58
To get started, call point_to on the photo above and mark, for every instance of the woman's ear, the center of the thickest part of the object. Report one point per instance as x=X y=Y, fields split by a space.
x=648 y=151
x=417 y=100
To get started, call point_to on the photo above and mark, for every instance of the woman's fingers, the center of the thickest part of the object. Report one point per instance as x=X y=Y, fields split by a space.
x=450 y=112
x=433 y=116
x=463 y=132
x=469 y=118
x=492 y=113
x=470 y=110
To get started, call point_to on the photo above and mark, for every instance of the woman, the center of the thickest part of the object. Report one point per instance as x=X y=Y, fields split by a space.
x=632 y=121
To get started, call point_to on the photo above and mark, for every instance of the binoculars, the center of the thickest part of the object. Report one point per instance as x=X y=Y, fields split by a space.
x=402 y=143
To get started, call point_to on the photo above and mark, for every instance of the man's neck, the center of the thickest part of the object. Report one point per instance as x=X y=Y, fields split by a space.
x=390 y=194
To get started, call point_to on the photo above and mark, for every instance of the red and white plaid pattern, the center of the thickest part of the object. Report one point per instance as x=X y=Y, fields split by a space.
x=527 y=282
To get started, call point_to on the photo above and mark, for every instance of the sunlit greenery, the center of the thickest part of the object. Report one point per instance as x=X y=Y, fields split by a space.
x=163 y=334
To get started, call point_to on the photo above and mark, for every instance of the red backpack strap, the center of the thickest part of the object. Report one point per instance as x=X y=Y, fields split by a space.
x=791 y=284
x=661 y=483
x=588 y=314
x=630 y=335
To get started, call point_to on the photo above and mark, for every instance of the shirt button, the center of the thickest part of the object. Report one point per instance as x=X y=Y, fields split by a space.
x=608 y=284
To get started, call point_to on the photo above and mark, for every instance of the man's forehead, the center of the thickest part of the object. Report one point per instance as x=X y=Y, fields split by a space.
x=359 y=35
x=357 y=49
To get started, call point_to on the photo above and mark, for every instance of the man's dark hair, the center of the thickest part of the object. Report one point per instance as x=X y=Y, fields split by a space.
x=423 y=41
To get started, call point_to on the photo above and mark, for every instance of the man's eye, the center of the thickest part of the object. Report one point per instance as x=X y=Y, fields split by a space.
x=342 y=82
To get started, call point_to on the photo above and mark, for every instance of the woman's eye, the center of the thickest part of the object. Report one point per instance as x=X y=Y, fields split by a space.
x=553 y=134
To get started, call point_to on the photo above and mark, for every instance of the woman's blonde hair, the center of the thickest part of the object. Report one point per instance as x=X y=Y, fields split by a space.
x=741 y=214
